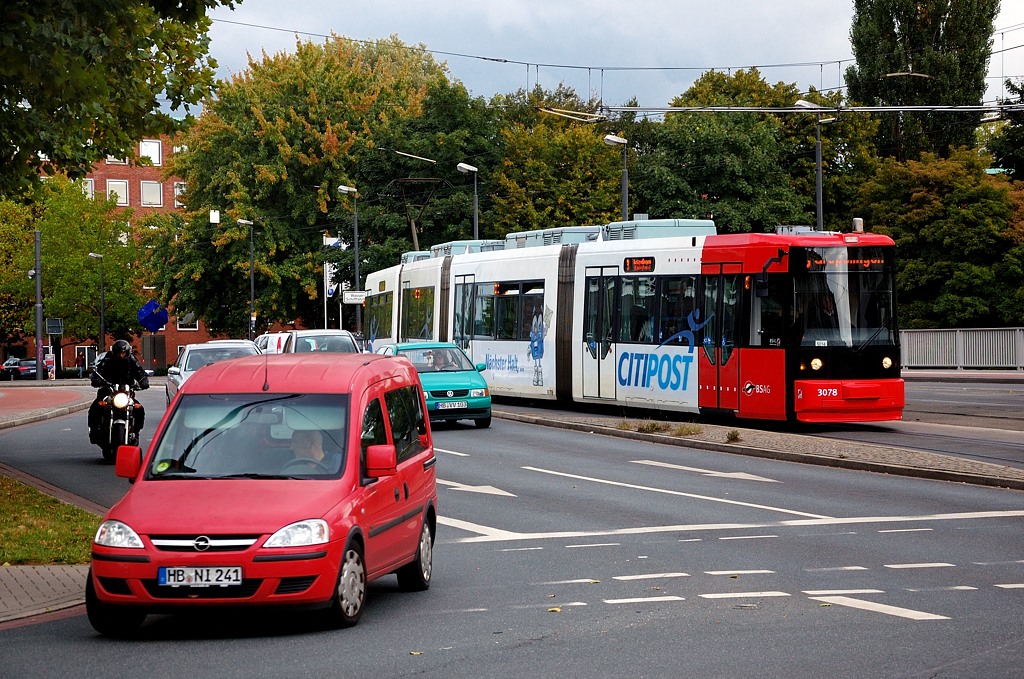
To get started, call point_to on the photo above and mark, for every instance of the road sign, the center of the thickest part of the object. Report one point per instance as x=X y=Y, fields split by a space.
x=353 y=296
x=54 y=326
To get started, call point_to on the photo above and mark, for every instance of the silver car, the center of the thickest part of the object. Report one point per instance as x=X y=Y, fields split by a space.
x=335 y=341
x=195 y=356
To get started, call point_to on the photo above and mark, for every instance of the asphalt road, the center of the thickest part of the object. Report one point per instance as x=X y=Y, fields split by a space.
x=562 y=554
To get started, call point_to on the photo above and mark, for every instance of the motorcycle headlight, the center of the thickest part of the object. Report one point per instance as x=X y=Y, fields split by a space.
x=121 y=400
x=300 y=534
x=117 y=534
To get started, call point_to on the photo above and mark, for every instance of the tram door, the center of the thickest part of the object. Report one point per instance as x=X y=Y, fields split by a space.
x=462 y=323
x=598 y=339
x=719 y=361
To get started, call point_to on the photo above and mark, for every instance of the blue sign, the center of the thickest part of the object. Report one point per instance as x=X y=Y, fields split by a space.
x=151 y=316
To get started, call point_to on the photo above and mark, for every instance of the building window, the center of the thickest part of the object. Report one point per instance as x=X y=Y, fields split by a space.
x=118 y=187
x=152 y=149
x=111 y=160
x=89 y=188
x=179 y=191
x=152 y=194
x=188 y=322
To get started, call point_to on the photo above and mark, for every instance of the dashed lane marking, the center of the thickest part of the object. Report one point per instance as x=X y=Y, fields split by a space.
x=839 y=592
x=918 y=565
x=1014 y=585
x=878 y=608
x=748 y=572
x=835 y=568
x=742 y=595
x=650 y=576
x=644 y=600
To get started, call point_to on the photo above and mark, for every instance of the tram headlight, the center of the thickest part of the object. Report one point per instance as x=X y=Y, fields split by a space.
x=886 y=363
x=816 y=364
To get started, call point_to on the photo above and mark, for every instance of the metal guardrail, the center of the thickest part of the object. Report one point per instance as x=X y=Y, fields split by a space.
x=968 y=349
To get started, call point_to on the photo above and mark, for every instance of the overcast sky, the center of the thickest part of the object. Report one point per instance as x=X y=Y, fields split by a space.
x=649 y=49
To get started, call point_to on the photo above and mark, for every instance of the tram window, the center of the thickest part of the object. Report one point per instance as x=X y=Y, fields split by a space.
x=378 y=314
x=418 y=313
x=483 y=313
x=768 y=325
x=676 y=304
x=507 y=311
x=638 y=305
x=533 y=312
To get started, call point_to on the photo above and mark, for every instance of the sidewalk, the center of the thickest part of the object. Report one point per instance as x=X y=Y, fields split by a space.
x=32 y=590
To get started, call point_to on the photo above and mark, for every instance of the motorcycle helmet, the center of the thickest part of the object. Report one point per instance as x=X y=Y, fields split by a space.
x=121 y=349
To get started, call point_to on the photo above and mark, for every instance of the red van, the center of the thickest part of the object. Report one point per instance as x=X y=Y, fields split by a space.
x=282 y=480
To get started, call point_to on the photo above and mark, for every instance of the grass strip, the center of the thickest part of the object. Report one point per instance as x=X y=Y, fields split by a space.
x=36 y=529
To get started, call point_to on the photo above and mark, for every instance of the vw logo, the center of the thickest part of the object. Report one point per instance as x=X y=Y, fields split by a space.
x=201 y=543
x=450 y=393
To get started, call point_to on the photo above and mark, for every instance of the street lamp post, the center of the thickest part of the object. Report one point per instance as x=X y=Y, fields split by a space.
x=355 y=252
x=252 y=279
x=464 y=168
x=103 y=305
x=614 y=140
x=803 y=103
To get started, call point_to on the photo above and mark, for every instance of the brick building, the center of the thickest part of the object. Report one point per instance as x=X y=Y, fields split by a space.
x=144 y=189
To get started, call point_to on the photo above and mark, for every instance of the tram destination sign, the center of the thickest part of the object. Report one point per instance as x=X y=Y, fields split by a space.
x=638 y=264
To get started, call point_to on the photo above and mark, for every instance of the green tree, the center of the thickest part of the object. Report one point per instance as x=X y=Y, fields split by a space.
x=1007 y=146
x=272 y=148
x=555 y=171
x=917 y=53
x=72 y=225
x=725 y=166
x=16 y=239
x=83 y=79
x=952 y=224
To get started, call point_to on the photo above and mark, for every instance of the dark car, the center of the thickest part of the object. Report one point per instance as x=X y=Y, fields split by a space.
x=26 y=369
x=10 y=367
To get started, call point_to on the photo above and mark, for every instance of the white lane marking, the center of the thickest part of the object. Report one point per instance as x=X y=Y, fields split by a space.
x=692 y=540
x=577 y=581
x=594 y=544
x=741 y=595
x=450 y=452
x=954 y=588
x=905 y=530
x=878 y=608
x=836 y=592
x=835 y=568
x=737 y=572
x=707 y=472
x=1013 y=585
x=919 y=565
x=569 y=604
x=672 y=492
x=747 y=537
x=486 y=490
x=644 y=600
x=651 y=576
x=522 y=549
x=486 y=534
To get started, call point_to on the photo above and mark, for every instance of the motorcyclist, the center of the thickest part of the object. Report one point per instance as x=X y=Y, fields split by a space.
x=119 y=366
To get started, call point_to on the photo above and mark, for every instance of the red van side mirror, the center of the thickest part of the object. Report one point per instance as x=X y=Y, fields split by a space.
x=381 y=461
x=129 y=461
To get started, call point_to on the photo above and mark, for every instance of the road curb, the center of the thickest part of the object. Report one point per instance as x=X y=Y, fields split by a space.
x=844 y=461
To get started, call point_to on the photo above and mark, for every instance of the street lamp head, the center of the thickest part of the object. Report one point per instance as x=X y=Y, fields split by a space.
x=465 y=168
x=614 y=140
x=803 y=103
x=95 y=255
x=346 y=189
x=244 y=222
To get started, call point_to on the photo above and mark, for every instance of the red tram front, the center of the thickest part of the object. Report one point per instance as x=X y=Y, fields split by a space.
x=801 y=325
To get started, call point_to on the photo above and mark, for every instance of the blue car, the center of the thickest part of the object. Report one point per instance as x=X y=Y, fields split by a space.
x=454 y=387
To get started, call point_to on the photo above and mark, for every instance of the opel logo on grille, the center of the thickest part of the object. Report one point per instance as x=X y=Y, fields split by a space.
x=201 y=543
x=450 y=393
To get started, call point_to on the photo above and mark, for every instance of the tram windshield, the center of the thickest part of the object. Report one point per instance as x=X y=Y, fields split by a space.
x=843 y=296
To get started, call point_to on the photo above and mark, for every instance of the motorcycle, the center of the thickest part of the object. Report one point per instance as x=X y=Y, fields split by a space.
x=121 y=411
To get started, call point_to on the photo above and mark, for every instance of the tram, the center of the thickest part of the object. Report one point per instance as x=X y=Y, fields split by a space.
x=796 y=325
